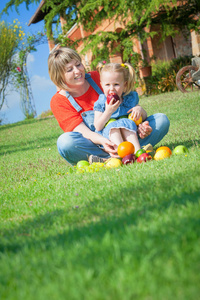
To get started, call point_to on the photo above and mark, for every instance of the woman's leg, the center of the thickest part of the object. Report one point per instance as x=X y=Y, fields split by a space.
x=73 y=147
x=160 y=125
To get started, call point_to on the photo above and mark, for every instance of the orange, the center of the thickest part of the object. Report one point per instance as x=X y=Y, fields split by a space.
x=125 y=148
x=161 y=154
x=137 y=122
x=165 y=148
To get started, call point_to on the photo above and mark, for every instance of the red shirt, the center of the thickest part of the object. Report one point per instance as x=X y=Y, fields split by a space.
x=66 y=115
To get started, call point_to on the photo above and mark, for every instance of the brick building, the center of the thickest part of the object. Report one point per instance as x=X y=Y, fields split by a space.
x=171 y=48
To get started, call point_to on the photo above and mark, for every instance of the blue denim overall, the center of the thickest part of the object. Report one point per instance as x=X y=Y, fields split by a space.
x=88 y=116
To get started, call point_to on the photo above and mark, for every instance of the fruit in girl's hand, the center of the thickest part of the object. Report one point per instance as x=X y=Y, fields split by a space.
x=111 y=96
x=164 y=148
x=139 y=152
x=128 y=159
x=144 y=157
x=113 y=163
x=125 y=148
x=161 y=154
x=137 y=122
x=181 y=149
x=82 y=164
x=110 y=121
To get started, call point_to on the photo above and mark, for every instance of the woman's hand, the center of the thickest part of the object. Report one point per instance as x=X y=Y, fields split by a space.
x=110 y=147
x=144 y=129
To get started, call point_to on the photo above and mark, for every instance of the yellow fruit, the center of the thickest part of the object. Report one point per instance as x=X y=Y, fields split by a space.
x=164 y=148
x=113 y=163
x=137 y=122
x=161 y=154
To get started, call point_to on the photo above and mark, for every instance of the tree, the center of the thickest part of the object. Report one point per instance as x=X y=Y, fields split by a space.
x=9 y=40
x=14 y=50
x=21 y=78
x=173 y=16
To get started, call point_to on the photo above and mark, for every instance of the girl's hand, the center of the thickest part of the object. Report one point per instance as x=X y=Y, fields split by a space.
x=112 y=107
x=144 y=129
x=135 y=112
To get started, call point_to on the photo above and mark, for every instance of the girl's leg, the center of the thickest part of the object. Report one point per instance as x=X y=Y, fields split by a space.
x=73 y=147
x=160 y=125
x=115 y=136
x=132 y=137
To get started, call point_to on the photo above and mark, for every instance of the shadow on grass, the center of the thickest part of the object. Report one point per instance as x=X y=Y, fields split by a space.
x=29 y=145
x=17 y=124
x=80 y=228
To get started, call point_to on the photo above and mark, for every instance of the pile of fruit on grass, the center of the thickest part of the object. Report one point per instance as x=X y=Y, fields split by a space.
x=126 y=153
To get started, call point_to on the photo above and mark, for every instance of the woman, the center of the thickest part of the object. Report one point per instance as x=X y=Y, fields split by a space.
x=72 y=106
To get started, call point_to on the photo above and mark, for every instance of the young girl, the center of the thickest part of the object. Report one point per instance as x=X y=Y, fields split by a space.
x=118 y=79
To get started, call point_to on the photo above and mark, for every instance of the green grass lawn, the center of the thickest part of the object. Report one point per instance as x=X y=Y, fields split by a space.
x=124 y=234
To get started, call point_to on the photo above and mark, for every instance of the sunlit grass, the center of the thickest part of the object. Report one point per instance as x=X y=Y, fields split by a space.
x=126 y=233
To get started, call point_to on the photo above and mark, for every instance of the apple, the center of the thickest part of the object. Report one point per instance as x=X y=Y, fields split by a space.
x=144 y=158
x=128 y=159
x=139 y=152
x=82 y=164
x=110 y=121
x=111 y=96
x=181 y=149
x=137 y=122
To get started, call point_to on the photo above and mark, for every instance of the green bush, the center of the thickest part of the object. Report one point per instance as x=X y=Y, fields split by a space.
x=163 y=77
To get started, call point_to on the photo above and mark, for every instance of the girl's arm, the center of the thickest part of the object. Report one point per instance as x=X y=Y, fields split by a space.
x=97 y=139
x=101 y=118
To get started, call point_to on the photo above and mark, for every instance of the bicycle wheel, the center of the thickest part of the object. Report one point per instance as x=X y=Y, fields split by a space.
x=184 y=79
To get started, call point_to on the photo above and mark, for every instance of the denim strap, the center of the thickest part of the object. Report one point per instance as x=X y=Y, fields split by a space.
x=73 y=102
x=92 y=83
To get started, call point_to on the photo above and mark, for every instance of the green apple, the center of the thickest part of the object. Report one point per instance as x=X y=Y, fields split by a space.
x=123 y=117
x=139 y=152
x=110 y=121
x=82 y=164
x=181 y=149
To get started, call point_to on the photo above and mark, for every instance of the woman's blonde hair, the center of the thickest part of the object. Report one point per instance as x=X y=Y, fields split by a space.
x=125 y=69
x=57 y=61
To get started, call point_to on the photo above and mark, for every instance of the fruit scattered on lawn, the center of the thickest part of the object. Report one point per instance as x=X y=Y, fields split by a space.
x=164 y=148
x=82 y=164
x=125 y=148
x=181 y=149
x=161 y=154
x=144 y=157
x=139 y=152
x=128 y=159
x=113 y=163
